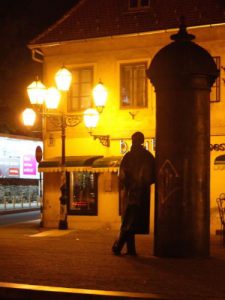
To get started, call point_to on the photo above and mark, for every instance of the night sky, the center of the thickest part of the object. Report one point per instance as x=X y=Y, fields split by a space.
x=20 y=22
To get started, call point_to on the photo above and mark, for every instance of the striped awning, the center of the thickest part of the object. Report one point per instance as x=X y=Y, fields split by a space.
x=73 y=164
x=93 y=164
x=106 y=164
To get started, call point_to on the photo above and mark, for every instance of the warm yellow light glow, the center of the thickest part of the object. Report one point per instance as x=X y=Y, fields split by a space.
x=52 y=98
x=63 y=79
x=29 y=117
x=100 y=95
x=91 y=117
x=36 y=92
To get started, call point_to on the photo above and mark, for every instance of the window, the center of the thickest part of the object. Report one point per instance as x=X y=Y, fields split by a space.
x=215 y=90
x=138 y=4
x=83 y=193
x=80 y=94
x=133 y=85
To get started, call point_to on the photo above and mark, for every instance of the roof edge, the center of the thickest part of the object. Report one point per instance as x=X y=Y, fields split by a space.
x=47 y=45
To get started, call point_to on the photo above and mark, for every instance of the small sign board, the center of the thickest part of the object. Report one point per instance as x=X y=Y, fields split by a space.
x=38 y=154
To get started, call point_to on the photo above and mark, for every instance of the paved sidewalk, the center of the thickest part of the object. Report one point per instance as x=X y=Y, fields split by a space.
x=83 y=259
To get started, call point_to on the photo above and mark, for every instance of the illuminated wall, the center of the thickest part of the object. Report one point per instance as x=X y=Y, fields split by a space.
x=107 y=54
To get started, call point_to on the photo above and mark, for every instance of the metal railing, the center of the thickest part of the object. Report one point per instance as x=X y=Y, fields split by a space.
x=19 y=202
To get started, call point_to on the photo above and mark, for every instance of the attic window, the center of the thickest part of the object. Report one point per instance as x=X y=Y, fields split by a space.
x=138 y=4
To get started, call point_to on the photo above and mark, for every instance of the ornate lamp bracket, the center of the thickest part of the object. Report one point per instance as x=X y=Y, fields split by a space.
x=104 y=139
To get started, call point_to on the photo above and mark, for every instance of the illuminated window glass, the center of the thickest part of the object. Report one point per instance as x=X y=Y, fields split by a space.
x=133 y=85
x=215 y=90
x=138 y=4
x=83 y=193
x=80 y=94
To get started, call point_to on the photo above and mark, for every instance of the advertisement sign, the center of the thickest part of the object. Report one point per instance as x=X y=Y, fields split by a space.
x=17 y=158
x=29 y=165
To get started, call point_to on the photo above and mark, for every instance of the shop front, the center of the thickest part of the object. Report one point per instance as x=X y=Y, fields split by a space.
x=217 y=177
x=92 y=183
x=94 y=190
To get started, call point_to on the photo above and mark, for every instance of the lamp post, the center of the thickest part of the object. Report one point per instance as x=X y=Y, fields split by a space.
x=40 y=96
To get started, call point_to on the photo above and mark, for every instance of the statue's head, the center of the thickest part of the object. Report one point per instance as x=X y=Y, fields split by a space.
x=138 y=138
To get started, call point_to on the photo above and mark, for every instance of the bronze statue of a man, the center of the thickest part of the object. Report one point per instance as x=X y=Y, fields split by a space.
x=136 y=174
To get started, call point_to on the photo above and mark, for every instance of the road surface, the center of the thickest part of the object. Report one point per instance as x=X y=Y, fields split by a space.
x=14 y=218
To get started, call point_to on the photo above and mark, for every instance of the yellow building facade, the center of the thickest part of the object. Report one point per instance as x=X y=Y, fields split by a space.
x=105 y=56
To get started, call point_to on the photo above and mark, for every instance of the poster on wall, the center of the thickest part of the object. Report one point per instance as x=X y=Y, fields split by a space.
x=17 y=158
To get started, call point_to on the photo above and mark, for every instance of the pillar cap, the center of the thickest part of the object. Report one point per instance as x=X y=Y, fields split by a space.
x=182 y=58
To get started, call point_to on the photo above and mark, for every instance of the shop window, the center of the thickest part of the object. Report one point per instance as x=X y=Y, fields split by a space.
x=83 y=193
x=138 y=4
x=80 y=94
x=133 y=85
x=215 y=90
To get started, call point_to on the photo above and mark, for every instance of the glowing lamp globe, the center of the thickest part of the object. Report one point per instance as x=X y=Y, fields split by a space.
x=100 y=96
x=63 y=79
x=91 y=117
x=52 y=98
x=29 y=117
x=36 y=92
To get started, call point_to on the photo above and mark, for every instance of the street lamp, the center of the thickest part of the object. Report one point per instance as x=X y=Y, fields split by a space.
x=29 y=117
x=40 y=96
x=36 y=92
x=63 y=79
x=100 y=96
x=91 y=115
x=52 y=98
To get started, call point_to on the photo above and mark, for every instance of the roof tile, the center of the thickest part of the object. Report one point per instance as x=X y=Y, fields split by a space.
x=111 y=17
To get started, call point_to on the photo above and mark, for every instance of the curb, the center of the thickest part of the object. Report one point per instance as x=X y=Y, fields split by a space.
x=13 y=291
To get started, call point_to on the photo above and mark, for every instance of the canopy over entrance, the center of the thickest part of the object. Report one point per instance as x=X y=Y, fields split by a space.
x=220 y=160
x=93 y=164
x=107 y=164
x=73 y=164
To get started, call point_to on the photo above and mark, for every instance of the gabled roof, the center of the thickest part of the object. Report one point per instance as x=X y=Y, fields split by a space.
x=102 y=18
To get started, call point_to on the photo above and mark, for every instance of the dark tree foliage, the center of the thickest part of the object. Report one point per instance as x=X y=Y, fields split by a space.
x=20 y=22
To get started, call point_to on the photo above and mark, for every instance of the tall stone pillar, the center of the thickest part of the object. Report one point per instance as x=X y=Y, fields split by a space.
x=182 y=73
